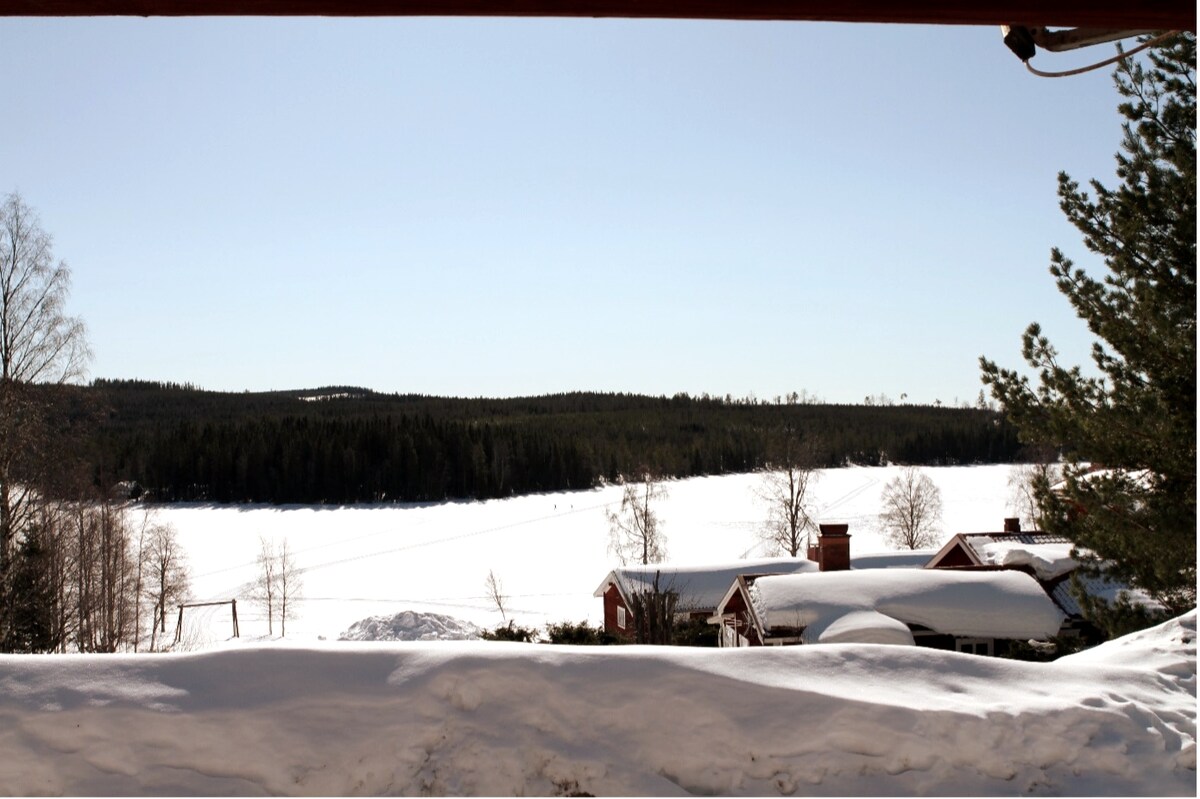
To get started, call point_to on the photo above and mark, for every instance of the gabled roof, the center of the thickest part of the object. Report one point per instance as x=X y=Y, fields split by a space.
x=986 y=604
x=700 y=587
x=1047 y=556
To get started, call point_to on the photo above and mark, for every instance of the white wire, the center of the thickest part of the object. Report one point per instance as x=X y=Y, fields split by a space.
x=1106 y=62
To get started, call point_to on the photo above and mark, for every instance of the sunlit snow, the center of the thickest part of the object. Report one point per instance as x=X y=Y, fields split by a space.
x=313 y=715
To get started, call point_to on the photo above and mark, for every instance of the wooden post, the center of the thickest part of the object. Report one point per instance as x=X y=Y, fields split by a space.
x=233 y=602
x=179 y=625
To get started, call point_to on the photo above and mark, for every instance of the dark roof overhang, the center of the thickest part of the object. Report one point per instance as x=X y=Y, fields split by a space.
x=1151 y=14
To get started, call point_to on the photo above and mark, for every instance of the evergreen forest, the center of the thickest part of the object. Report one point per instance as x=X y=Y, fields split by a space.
x=342 y=445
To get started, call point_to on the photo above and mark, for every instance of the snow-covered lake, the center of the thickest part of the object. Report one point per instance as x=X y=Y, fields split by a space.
x=550 y=551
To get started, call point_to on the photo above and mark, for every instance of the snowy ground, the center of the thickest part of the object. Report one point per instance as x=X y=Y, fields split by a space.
x=548 y=550
x=326 y=717
x=485 y=718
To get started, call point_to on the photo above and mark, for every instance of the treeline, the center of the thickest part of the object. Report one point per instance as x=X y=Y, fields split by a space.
x=346 y=445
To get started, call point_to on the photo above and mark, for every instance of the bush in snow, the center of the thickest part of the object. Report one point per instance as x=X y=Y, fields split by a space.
x=579 y=633
x=511 y=632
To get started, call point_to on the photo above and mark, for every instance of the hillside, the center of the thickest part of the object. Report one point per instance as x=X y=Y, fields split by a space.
x=348 y=445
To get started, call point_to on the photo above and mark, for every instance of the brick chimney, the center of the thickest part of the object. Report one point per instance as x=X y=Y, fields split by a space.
x=1012 y=525
x=833 y=547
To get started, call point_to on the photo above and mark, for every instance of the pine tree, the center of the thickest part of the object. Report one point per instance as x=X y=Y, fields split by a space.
x=1136 y=517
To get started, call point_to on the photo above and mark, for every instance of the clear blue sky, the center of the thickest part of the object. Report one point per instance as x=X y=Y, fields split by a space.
x=510 y=207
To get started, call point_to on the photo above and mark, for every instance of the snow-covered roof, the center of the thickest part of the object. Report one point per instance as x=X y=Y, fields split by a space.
x=1101 y=587
x=1048 y=559
x=901 y=559
x=1046 y=554
x=700 y=587
x=1143 y=478
x=986 y=604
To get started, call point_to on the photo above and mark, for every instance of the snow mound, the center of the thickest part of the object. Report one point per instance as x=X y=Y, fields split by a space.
x=867 y=627
x=1169 y=648
x=409 y=625
x=495 y=719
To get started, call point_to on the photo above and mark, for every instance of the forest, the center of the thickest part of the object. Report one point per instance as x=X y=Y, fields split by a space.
x=340 y=445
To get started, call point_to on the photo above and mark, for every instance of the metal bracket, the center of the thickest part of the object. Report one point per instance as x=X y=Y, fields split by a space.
x=1024 y=41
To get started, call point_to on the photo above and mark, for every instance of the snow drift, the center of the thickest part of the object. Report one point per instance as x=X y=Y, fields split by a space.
x=501 y=719
x=409 y=625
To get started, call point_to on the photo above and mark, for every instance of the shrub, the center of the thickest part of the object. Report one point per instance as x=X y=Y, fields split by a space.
x=510 y=632
x=579 y=633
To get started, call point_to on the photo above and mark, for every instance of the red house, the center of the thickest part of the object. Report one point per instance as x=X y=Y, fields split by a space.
x=699 y=588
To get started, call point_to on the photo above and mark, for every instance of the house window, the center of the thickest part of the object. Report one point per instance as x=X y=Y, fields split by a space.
x=974 y=646
x=621 y=617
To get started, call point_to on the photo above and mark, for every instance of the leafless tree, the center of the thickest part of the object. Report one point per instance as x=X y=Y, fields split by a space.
x=289 y=586
x=1026 y=482
x=784 y=489
x=912 y=510
x=635 y=532
x=168 y=582
x=104 y=573
x=139 y=580
x=266 y=588
x=653 y=608
x=39 y=343
x=495 y=592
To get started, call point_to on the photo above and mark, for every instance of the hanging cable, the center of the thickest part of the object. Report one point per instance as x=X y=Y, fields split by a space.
x=1106 y=62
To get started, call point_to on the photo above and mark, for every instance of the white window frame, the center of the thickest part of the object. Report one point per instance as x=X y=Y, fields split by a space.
x=960 y=645
x=621 y=617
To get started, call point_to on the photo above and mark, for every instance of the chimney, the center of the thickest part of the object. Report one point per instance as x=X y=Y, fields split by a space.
x=1012 y=525
x=833 y=547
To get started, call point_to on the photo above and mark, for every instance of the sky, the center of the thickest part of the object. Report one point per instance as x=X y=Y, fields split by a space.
x=511 y=207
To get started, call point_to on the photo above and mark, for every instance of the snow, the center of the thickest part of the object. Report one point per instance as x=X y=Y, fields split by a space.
x=905 y=559
x=1048 y=561
x=703 y=586
x=990 y=604
x=485 y=718
x=317 y=716
x=866 y=627
x=548 y=550
x=408 y=625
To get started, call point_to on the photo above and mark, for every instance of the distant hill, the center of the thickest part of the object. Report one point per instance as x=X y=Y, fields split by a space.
x=346 y=444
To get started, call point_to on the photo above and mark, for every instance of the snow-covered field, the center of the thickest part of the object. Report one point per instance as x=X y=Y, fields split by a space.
x=312 y=717
x=549 y=551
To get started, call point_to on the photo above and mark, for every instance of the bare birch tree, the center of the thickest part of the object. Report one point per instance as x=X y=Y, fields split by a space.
x=168 y=582
x=635 y=532
x=266 y=587
x=289 y=586
x=495 y=592
x=39 y=343
x=784 y=489
x=1024 y=481
x=912 y=510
